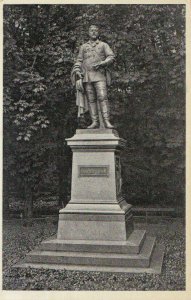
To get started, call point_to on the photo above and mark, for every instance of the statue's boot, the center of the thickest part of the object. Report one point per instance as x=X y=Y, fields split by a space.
x=104 y=105
x=94 y=115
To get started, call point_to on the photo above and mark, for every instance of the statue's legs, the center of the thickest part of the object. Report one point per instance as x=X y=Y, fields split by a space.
x=91 y=96
x=101 y=91
x=98 y=88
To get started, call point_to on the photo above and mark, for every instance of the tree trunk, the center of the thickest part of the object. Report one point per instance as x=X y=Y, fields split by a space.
x=5 y=195
x=28 y=209
x=5 y=206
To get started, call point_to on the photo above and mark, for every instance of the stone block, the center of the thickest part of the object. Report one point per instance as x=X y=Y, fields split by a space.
x=132 y=245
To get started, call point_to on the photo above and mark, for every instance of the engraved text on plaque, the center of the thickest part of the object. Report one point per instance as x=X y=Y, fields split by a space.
x=93 y=171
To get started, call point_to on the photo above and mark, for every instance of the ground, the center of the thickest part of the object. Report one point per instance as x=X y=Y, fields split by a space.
x=18 y=239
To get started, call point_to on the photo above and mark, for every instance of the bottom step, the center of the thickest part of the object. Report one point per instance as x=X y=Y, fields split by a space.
x=155 y=265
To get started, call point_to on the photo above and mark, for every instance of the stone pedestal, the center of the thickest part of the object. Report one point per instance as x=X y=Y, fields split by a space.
x=96 y=210
x=95 y=229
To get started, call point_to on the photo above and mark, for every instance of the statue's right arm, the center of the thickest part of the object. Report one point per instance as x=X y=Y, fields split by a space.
x=80 y=56
x=77 y=68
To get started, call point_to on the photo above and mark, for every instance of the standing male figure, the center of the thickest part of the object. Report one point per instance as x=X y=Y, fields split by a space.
x=91 y=76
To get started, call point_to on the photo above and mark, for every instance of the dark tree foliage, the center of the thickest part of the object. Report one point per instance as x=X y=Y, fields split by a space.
x=147 y=97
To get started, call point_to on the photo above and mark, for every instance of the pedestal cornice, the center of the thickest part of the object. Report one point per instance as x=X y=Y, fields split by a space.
x=96 y=139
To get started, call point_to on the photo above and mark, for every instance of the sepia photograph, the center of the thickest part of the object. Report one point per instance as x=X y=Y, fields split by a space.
x=94 y=124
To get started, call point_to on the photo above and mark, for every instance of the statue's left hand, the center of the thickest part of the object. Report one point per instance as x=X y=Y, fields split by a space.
x=98 y=65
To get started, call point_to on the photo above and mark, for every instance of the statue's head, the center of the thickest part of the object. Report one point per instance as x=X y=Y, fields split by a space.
x=93 y=32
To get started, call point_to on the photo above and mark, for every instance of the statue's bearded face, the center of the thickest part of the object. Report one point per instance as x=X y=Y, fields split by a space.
x=93 y=32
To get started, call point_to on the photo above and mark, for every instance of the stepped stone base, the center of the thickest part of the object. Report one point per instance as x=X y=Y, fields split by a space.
x=136 y=255
x=95 y=229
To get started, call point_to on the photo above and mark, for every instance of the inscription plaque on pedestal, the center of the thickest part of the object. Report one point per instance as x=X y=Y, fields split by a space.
x=91 y=171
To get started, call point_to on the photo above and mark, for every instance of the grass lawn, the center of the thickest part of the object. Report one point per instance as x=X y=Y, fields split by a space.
x=18 y=240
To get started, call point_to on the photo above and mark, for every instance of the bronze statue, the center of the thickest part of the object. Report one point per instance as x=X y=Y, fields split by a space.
x=91 y=77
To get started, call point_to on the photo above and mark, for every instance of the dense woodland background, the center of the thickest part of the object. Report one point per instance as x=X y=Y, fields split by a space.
x=147 y=100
